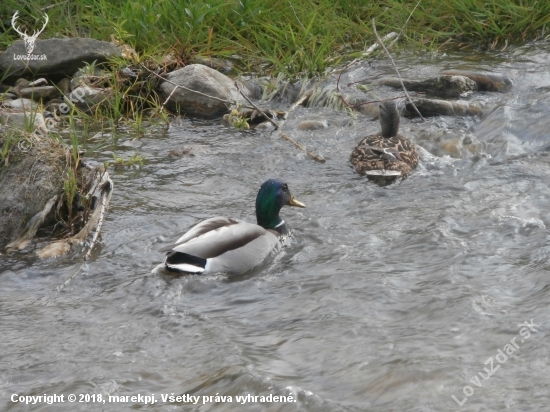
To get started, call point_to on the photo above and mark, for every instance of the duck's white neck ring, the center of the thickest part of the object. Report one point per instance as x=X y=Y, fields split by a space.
x=280 y=224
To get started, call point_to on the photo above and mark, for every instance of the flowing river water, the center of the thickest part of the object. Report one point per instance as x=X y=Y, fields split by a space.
x=388 y=298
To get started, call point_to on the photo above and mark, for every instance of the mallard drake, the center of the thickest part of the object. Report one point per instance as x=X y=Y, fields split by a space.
x=387 y=153
x=221 y=244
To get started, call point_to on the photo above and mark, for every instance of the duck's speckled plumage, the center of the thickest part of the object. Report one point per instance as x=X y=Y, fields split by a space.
x=387 y=150
x=220 y=244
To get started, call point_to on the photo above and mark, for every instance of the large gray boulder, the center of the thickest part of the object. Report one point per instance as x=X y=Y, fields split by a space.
x=204 y=80
x=59 y=57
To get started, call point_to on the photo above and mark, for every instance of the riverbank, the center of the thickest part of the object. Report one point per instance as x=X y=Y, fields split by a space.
x=298 y=38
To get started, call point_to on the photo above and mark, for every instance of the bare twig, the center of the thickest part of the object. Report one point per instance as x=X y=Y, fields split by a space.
x=319 y=159
x=307 y=94
x=374 y=47
x=278 y=127
x=168 y=98
x=389 y=36
x=104 y=203
x=395 y=67
x=403 y=28
x=256 y=107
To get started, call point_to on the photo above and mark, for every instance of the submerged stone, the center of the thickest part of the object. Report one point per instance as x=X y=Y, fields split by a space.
x=312 y=125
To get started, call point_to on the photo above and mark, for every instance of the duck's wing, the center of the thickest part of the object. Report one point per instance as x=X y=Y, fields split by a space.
x=200 y=229
x=245 y=258
x=388 y=154
x=407 y=150
x=205 y=227
x=206 y=246
x=220 y=240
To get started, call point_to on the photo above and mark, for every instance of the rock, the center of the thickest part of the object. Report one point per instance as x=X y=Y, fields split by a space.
x=254 y=90
x=87 y=98
x=490 y=82
x=90 y=77
x=433 y=107
x=61 y=57
x=23 y=104
x=23 y=120
x=267 y=126
x=57 y=106
x=128 y=72
x=30 y=181
x=312 y=125
x=182 y=151
x=65 y=86
x=360 y=105
x=254 y=116
x=202 y=79
x=442 y=86
x=39 y=93
x=455 y=143
x=452 y=142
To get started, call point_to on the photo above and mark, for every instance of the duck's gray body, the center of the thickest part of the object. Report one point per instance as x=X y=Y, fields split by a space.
x=220 y=244
x=226 y=245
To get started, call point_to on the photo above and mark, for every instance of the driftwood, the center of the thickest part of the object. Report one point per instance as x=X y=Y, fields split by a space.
x=396 y=69
x=32 y=227
x=101 y=189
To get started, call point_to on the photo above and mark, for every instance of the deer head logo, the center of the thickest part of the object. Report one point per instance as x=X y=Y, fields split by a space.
x=29 y=40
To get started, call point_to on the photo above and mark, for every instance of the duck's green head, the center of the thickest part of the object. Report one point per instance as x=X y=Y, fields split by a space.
x=273 y=195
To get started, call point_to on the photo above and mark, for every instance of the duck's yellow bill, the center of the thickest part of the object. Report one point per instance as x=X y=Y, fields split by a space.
x=294 y=202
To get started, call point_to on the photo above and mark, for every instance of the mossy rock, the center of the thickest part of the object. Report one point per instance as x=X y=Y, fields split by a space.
x=33 y=175
x=32 y=178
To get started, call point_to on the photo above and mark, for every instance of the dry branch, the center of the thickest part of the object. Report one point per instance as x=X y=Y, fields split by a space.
x=395 y=67
x=278 y=127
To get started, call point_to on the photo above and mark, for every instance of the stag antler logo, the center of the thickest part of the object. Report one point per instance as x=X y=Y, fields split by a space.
x=29 y=40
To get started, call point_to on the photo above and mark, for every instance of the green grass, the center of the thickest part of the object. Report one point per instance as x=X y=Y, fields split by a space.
x=136 y=160
x=287 y=40
x=298 y=38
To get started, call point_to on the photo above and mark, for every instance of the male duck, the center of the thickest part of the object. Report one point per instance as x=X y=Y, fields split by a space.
x=387 y=153
x=220 y=244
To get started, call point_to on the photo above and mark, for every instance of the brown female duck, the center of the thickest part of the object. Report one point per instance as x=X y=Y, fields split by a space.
x=387 y=153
